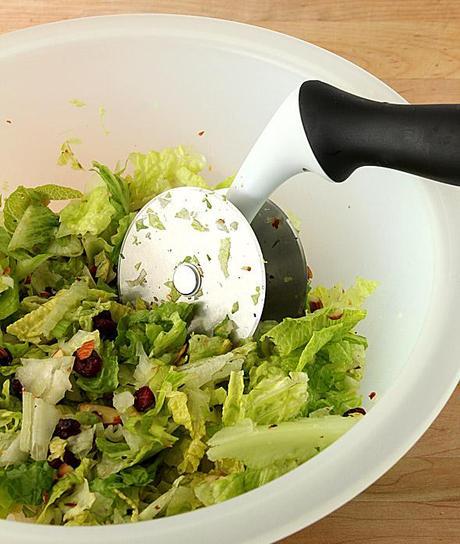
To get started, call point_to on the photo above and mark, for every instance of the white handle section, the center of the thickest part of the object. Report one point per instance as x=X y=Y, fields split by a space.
x=280 y=152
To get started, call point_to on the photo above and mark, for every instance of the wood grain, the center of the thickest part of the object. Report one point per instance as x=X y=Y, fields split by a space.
x=413 y=45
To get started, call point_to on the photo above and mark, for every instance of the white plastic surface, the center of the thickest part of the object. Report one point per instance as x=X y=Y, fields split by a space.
x=281 y=151
x=164 y=79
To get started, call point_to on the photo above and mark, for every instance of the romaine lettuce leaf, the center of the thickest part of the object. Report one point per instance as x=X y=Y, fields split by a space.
x=258 y=446
x=38 y=325
x=92 y=214
x=35 y=229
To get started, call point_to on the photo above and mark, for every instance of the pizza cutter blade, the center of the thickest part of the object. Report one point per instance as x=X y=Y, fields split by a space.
x=192 y=244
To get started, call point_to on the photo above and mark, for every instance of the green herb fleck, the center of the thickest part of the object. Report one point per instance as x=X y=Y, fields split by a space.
x=224 y=255
x=155 y=221
x=137 y=265
x=199 y=226
x=183 y=214
x=77 y=102
x=235 y=307
x=173 y=294
x=208 y=204
x=140 y=225
x=256 y=295
x=67 y=156
x=102 y=113
x=234 y=225
x=139 y=281
x=288 y=279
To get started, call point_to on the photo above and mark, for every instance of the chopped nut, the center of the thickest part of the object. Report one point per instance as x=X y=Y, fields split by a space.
x=108 y=415
x=180 y=357
x=85 y=350
x=336 y=314
x=63 y=470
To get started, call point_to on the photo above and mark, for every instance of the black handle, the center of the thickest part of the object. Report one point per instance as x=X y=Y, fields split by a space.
x=346 y=132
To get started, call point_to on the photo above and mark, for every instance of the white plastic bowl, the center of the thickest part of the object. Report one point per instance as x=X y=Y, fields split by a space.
x=162 y=79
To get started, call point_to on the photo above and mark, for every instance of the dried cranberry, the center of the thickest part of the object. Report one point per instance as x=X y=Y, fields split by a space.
x=314 y=304
x=105 y=325
x=16 y=388
x=89 y=367
x=372 y=395
x=66 y=428
x=70 y=459
x=93 y=270
x=55 y=463
x=352 y=411
x=5 y=357
x=143 y=399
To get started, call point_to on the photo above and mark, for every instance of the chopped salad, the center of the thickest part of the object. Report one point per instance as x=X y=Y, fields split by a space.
x=115 y=413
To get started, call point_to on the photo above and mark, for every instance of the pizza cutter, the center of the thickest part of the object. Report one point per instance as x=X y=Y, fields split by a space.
x=237 y=254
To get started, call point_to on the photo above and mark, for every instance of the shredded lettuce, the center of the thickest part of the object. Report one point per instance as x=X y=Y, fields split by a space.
x=141 y=417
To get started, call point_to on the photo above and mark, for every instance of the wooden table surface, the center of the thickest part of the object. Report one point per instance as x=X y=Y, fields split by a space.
x=414 y=46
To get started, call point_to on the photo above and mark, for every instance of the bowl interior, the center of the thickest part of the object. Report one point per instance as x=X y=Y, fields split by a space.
x=150 y=82
x=151 y=91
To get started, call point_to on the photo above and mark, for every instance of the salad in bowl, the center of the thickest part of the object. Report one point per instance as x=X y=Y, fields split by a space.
x=115 y=413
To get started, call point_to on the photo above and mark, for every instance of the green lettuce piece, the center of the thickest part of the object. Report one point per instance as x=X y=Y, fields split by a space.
x=39 y=419
x=16 y=205
x=117 y=239
x=233 y=409
x=67 y=246
x=25 y=267
x=258 y=446
x=294 y=333
x=6 y=282
x=76 y=504
x=117 y=187
x=35 y=229
x=334 y=377
x=274 y=400
x=172 y=339
x=156 y=172
x=64 y=485
x=7 y=401
x=38 y=325
x=212 y=369
x=107 y=380
x=202 y=346
x=46 y=378
x=336 y=296
x=217 y=489
x=10 y=451
x=57 y=192
x=9 y=302
x=92 y=214
x=26 y=484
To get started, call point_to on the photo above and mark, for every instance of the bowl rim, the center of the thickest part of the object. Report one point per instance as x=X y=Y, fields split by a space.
x=364 y=453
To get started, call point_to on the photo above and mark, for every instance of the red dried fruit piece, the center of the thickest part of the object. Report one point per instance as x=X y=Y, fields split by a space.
x=357 y=410
x=85 y=350
x=106 y=326
x=309 y=273
x=66 y=428
x=16 y=388
x=55 y=463
x=372 y=395
x=276 y=222
x=5 y=357
x=6 y=270
x=88 y=367
x=70 y=459
x=336 y=314
x=143 y=399
x=314 y=303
